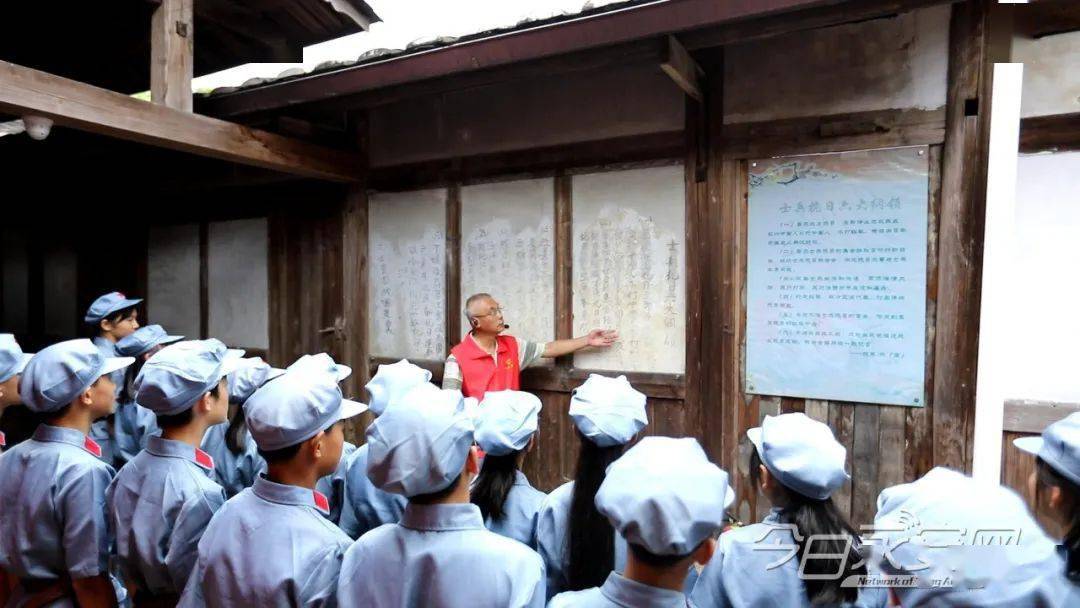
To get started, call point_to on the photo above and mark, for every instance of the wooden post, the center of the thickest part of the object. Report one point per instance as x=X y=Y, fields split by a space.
x=172 y=54
x=974 y=46
x=453 y=266
x=78 y=105
x=564 y=259
x=354 y=285
x=204 y=279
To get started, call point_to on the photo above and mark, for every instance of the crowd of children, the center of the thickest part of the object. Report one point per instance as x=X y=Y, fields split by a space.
x=170 y=472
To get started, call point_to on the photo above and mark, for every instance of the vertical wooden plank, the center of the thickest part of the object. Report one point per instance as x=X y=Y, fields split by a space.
x=818 y=410
x=967 y=128
x=727 y=194
x=277 y=269
x=842 y=421
x=172 y=54
x=791 y=405
x=354 y=281
x=695 y=239
x=767 y=406
x=891 y=449
x=332 y=333
x=354 y=232
x=864 y=463
x=453 y=266
x=564 y=260
x=919 y=428
x=565 y=439
x=204 y=279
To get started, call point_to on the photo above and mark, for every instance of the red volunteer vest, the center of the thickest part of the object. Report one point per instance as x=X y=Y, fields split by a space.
x=480 y=374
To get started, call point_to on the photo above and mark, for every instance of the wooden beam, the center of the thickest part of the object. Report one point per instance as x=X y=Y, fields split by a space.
x=1054 y=133
x=833 y=133
x=1031 y=416
x=798 y=21
x=538 y=161
x=354 y=267
x=972 y=53
x=681 y=67
x=88 y=108
x=172 y=54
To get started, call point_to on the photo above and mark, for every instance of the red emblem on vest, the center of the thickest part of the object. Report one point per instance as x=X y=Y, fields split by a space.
x=480 y=374
x=92 y=446
x=321 y=502
x=3 y=439
x=203 y=459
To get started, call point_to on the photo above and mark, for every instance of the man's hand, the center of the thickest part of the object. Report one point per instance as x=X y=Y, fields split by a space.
x=601 y=338
x=597 y=338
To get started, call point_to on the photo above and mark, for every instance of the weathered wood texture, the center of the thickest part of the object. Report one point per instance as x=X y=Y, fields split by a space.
x=81 y=106
x=886 y=444
x=1016 y=468
x=172 y=56
x=1057 y=132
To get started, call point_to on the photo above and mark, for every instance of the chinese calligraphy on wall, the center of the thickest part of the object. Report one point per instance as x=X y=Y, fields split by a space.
x=507 y=250
x=629 y=267
x=836 y=263
x=407 y=284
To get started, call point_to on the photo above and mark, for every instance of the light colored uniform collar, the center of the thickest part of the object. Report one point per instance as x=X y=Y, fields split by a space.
x=632 y=594
x=290 y=495
x=60 y=434
x=169 y=448
x=521 y=480
x=442 y=517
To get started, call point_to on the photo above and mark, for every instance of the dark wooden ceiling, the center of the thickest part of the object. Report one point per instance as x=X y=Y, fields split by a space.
x=106 y=43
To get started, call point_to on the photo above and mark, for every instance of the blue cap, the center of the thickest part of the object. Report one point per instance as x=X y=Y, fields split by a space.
x=12 y=358
x=1059 y=446
x=176 y=376
x=107 y=305
x=419 y=444
x=608 y=411
x=665 y=496
x=801 y=453
x=506 y=420
x=979 y=537
x=244 y=382
x=296 y=407
x=321 y=362
x=392 y=381
x=140 y=341
x=59 y=373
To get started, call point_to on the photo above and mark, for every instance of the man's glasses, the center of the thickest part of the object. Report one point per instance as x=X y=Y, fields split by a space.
x=494 y=312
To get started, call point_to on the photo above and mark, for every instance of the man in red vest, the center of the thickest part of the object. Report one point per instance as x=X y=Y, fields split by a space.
x=487 y=361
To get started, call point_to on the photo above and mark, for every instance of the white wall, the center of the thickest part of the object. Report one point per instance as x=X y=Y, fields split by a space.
x=1051 y=73
x=1044 y=361
x=172 y=273
x=239 y=288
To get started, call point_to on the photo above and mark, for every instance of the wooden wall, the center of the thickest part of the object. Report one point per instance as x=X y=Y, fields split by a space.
x=319 y=275
x=1026 y=418
x=886 y=444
